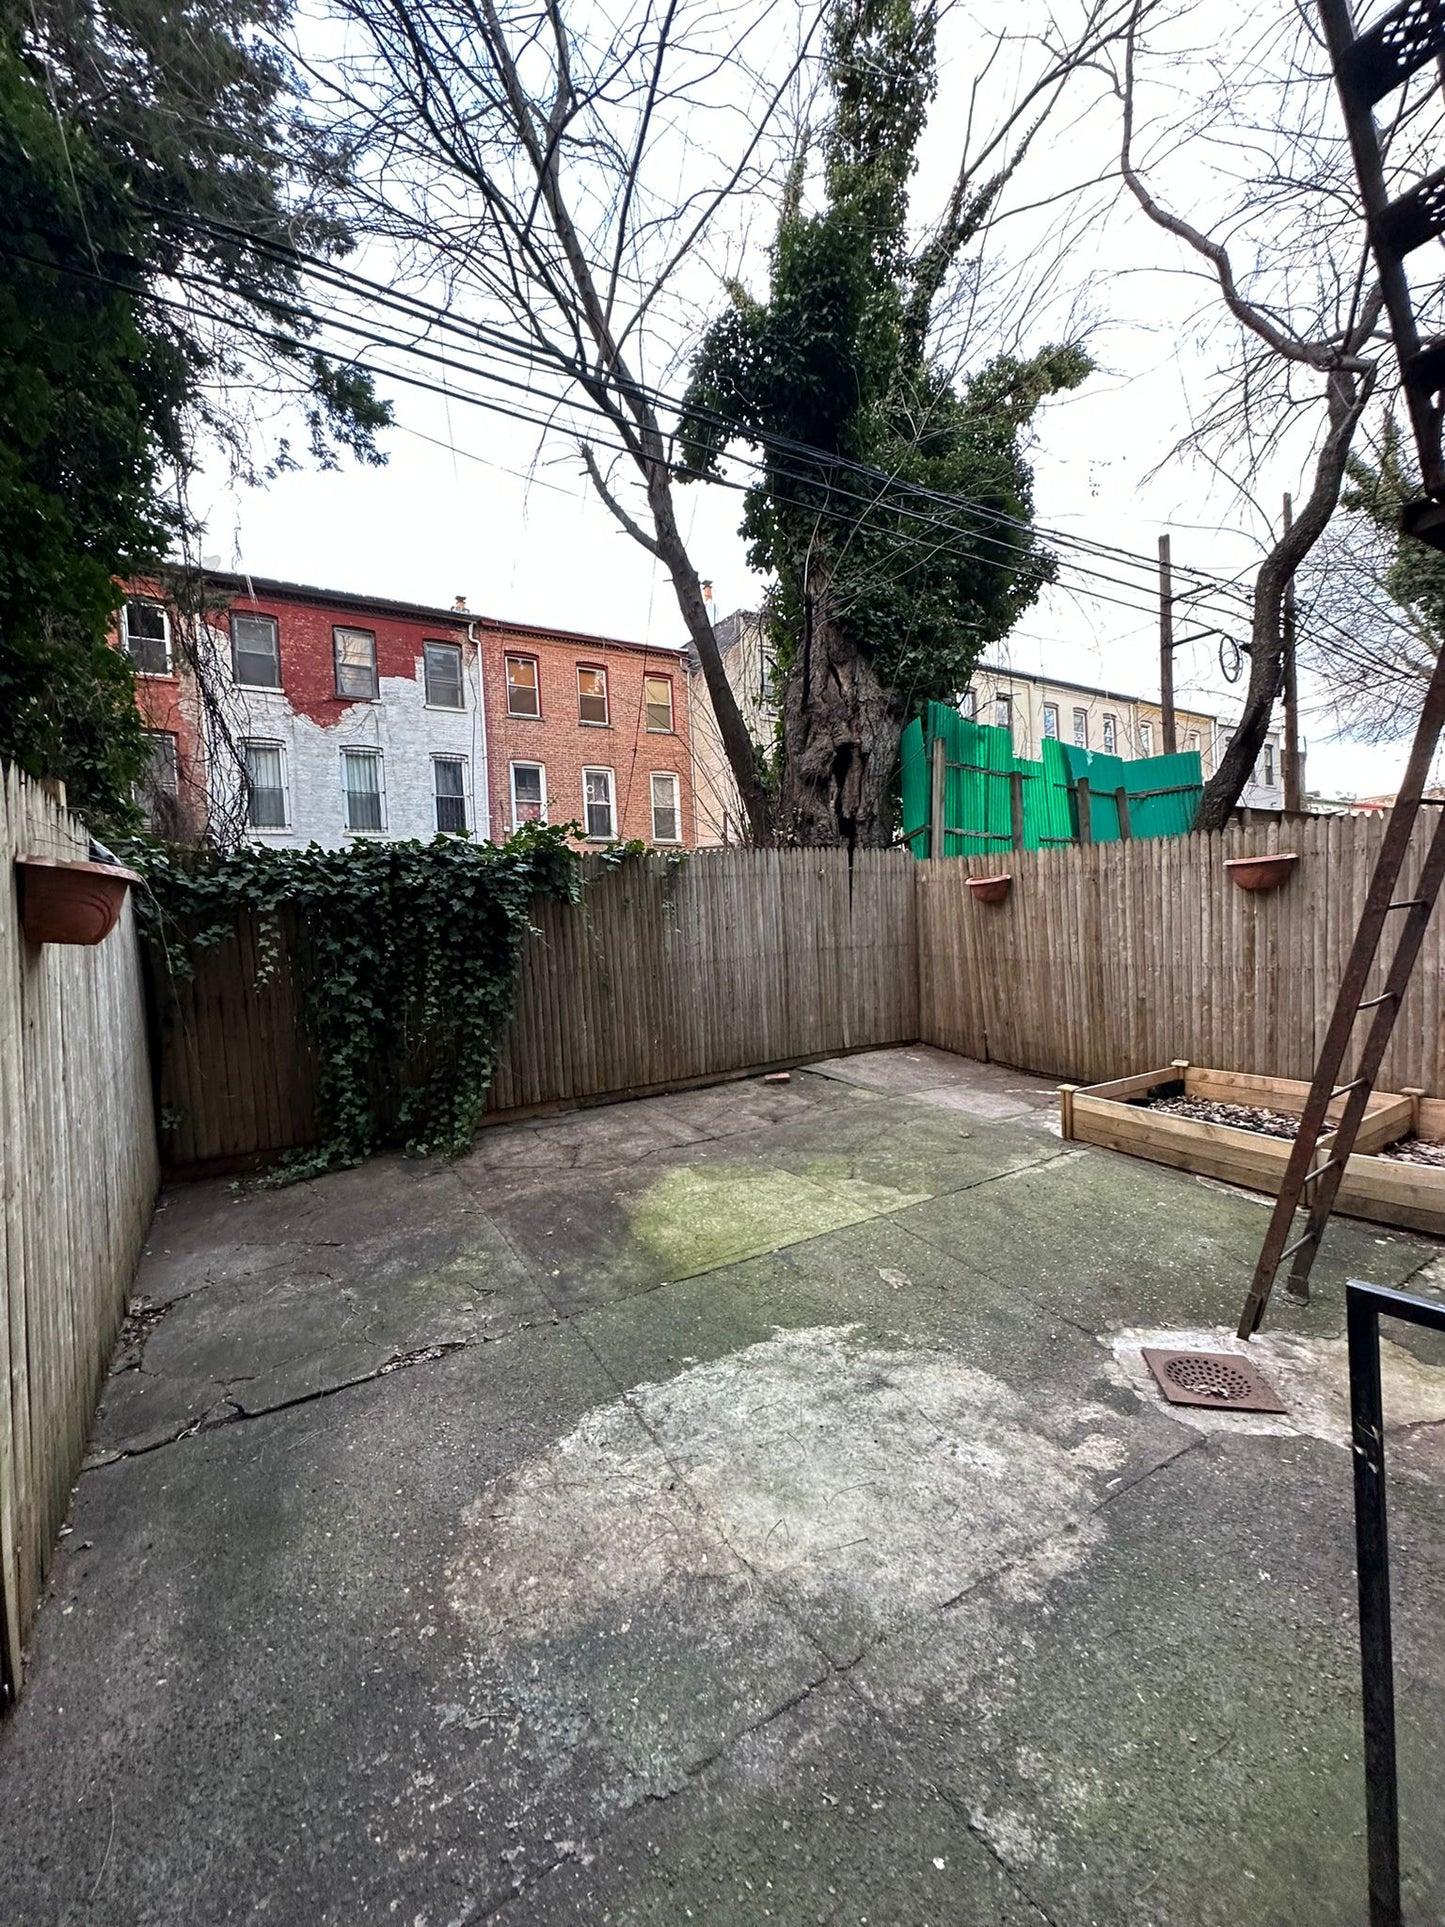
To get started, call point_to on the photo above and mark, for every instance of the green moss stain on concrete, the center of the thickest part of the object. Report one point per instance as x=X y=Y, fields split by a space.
x=701 y=1216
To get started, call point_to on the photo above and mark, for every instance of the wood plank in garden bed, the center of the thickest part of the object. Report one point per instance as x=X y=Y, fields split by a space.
x=1117 y=1115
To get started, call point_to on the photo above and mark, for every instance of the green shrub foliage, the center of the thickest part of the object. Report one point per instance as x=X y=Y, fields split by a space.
x=405 y=956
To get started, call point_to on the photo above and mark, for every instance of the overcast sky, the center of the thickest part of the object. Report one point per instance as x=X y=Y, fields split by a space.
x=469 y=504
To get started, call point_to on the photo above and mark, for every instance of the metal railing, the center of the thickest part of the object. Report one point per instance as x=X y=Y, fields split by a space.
x=1365 y=1305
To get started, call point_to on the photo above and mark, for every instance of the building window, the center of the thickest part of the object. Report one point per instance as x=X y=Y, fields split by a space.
x=159 y=786
x=597 y=803
x=1194 y=740
x=355 y=663
x=666 y=814
x=1051 y=719
x=1081 y=728
x=442 y=667
x=255 y=652
x=529 y=794
x=265 y=786
x=361 y=782
x=657 y=692
x=522 y=694
x=1269 y=766
x=591 y=695
x=1146 y=739
x=1111 y=735
x=145 y=629
x=449 y=785
x=1002 y=712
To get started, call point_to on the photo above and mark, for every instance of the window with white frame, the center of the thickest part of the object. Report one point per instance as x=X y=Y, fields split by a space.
x=523 y=697
x=1002 y=712
x=355 y=651
x=1194 y=739
x=1111 y=734
x=265 y=773
x=255 y=651
x=362 y=786
x=1081 y=728
x=657 y=692
x=449 y=787
x=1051 y=719
x=145 y=633
x=599 y=816
x=666 y=809
x=1146 y=739
x=529 y=794
x=442 y=667
x=1269 y=766
x=591 y=695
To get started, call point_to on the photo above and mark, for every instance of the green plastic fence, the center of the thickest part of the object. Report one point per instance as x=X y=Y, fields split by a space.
x=1162 y=792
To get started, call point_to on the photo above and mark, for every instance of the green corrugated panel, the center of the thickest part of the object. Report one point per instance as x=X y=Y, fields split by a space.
x=1104 y=775
x=1055 y=808
x=913 y=778
x=1164 y=793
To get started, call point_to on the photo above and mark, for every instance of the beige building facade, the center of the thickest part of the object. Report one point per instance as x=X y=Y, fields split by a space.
x=747 y=658
x=1034 y=707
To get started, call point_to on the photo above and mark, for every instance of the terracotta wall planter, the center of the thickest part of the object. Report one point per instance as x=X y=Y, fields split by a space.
x=989 y=889
x=1262 y=872
x=70 y=902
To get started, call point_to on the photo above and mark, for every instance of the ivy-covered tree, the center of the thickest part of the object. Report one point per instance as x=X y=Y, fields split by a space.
x=89 y=415
x=884 y=591
x=157 y=171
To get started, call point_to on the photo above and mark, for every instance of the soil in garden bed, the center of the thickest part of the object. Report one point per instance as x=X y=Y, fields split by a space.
x=1240 y=1117
x=1251 y=1117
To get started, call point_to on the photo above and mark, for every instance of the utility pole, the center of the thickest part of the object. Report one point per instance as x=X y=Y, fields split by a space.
x=1290 y=759
x=1166 y=650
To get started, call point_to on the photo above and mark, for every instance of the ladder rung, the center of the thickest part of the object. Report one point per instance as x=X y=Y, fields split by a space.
x=1310 y=1176
x=1385 y=997
x=1407 y=903
x=1340 y=1089
x=1290 y=1250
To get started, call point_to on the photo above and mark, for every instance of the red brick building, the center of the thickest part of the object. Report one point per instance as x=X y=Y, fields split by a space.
x=330 y=715
x=327 y=715
x=588 y=730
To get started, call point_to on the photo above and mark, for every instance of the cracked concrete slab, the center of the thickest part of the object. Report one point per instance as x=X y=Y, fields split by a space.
x=855 y=1579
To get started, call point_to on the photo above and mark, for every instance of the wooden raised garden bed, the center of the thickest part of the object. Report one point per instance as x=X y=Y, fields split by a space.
x=1118 y=1115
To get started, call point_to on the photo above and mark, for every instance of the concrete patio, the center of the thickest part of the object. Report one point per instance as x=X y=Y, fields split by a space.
x=747 y=1505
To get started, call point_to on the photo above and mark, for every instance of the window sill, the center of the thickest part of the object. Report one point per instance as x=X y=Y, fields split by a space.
x=447 y=709
x=260 y=688
x=516 y=716
x=660 y=732
x=157 y=675
x=582 y=723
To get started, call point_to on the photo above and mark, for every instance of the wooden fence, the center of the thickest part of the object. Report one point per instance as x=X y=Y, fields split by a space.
x=662 y=974
x=78 y=1175
x=1109 y=960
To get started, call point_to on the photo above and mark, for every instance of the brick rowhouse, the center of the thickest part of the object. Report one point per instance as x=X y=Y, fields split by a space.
x=590 y=730
x=326 y=715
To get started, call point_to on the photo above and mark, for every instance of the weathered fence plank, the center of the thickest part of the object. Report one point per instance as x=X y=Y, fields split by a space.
x=1104 y=961
x=78 y=1173
x=663 y=974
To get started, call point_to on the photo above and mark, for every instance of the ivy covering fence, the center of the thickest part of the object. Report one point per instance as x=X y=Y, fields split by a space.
x=404 y=957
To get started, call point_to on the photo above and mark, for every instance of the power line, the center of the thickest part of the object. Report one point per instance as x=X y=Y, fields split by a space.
x=350 y=280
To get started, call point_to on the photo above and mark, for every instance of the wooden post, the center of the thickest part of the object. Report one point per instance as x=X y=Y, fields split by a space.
x=938 y=797
x=1086 y=812
x=1293 y=799
x=1121 y=804
x=1016 y=807
x=1166 y=649
x=1066 y=1110
x=1414 y=1093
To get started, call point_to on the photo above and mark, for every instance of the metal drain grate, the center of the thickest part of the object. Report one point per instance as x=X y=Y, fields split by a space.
x=1221 y=1380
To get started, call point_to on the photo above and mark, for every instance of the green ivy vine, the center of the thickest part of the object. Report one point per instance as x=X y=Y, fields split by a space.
x=405 y=956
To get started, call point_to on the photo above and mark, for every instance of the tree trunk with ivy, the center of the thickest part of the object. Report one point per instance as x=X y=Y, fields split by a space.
x=840 y=736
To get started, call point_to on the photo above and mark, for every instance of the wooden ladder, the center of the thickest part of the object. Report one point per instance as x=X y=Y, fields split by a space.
x=1368 y=66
